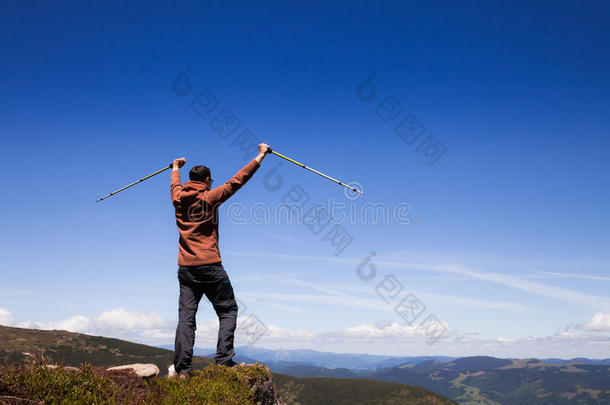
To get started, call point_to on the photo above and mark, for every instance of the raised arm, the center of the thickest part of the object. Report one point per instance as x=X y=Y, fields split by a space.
x=176 y=186
x=222 y=193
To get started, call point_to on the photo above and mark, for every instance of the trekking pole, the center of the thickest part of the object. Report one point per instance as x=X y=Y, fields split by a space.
x=136 y=182
x=315 y=171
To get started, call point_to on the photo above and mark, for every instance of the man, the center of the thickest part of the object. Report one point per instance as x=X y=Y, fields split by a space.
x=200 y=268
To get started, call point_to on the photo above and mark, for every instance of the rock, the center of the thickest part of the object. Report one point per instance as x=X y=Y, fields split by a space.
x=264 y=390
x=141 y=370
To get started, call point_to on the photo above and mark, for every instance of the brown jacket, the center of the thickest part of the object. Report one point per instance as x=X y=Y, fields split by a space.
x=197 y=215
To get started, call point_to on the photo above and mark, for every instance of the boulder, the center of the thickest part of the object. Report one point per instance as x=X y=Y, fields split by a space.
x=141 y=370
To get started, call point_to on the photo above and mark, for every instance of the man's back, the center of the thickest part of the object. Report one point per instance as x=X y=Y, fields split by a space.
x=197 y=214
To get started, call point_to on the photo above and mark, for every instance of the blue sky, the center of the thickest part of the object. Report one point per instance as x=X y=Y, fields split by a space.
x=507 y=240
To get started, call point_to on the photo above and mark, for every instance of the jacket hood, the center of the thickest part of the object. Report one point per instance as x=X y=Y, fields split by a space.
x=193 y=188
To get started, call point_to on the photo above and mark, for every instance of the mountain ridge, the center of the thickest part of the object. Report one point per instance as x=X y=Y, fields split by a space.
x=258 y=354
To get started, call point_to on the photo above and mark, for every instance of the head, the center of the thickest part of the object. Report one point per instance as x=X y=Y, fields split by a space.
x=200 y=174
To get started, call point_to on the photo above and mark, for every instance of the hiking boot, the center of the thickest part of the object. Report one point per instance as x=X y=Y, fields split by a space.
x=171 y=372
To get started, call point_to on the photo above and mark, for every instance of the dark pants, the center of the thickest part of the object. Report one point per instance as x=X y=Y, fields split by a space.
x=211 y=280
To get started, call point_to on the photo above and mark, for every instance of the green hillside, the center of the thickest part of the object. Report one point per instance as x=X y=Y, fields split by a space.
x=72 y=349
x=490 y=381
x=336 y=391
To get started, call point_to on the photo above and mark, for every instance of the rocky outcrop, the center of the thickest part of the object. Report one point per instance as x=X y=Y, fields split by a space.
x=264 y=390
x=139 y=369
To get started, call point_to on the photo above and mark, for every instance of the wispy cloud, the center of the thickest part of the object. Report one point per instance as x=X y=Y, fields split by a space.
x=320 y=288
x=550 y=274
x=343 y=298
x=330 y=259
x=454 y=300
x=540 y=289
x=285 y=238
x=284 y=307
x=430 y=261
x=332 y=300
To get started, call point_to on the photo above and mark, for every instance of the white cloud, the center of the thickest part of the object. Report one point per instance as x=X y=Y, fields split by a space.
x=117 y=322
x=599 y=323
x=403 y=340
x=77 y=323
x=388 y=331
x=120 y=320
x=6 y=318
x=275 y=332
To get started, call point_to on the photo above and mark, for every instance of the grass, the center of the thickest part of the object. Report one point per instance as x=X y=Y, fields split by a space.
x=96 y=385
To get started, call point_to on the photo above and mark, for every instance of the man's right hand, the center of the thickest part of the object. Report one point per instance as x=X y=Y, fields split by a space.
x=264 y=148
x=178 y=163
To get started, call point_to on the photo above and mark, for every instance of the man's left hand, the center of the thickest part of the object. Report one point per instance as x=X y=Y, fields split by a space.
x=178 y=163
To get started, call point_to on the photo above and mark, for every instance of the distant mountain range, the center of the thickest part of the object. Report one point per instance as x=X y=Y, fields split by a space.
x=283 y=357
x=353 y=361
x=468 y=380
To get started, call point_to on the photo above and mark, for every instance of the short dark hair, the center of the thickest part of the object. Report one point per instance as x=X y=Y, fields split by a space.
x=199 y=173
